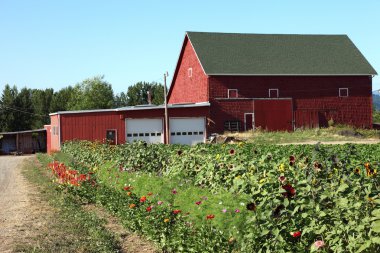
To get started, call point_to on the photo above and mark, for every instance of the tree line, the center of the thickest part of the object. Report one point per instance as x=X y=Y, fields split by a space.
x=24 y=109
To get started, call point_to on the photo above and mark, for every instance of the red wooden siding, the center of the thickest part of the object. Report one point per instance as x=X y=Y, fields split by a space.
x=315 y=98
x=187 y=89
x=91 y=126
x=228 y=110
x=274 y=114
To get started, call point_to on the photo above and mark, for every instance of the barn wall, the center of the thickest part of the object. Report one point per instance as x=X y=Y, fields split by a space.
x=315 y=99
x=48 y=138
x=91 y=126
x=228 y=110
x=187 y=89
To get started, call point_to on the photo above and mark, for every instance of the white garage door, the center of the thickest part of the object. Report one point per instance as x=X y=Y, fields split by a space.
x=187 y=130
x=148 y=130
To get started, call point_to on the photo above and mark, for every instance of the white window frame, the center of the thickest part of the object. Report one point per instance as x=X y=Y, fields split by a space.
x=237 y=93
x=190 y=72
x=278 y=93
x=341 y=89
x=115 y=134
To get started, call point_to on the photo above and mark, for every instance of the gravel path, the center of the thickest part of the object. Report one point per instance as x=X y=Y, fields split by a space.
x=15 y=201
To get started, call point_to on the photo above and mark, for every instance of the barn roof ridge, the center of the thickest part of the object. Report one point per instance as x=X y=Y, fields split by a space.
x=278 y=54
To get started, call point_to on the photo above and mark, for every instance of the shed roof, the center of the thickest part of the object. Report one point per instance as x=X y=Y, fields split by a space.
x=278 y=54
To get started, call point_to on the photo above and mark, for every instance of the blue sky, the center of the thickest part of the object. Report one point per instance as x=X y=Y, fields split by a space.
x=59 y=43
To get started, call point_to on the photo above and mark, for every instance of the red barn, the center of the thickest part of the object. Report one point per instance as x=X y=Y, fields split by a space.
x=276 y=82
x=236 y=82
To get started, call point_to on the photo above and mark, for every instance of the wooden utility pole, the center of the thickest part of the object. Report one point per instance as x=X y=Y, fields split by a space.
x=166 y=111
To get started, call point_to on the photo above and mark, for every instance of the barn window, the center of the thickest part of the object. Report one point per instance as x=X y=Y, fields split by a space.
x=232 y=93
x=273 y=93
x=343 y=92
x=233 y=126
x=190 y=72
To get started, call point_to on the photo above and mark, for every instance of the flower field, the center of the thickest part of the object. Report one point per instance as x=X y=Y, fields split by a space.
x=233 y=198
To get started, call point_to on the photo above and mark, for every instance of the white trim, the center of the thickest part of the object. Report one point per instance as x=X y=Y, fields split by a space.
x=341 y=89
x=278 y=93
x=245 y=120
x=236 y=74
x=190 y=72
x=135 y=108
x=114 y=129
x=59 y=132
x=237 y=93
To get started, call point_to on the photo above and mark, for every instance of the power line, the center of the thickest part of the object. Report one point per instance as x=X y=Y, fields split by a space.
x=35 y=114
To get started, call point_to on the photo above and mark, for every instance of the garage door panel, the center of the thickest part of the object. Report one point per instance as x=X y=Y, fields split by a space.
x=187 y=131
x=148 y=130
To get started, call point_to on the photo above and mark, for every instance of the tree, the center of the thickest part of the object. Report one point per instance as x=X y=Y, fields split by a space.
x=24 y=114
x=7 y=104
x=60 y=99
x=92 y=93
x=137 y=94
x=121 y=100
x=41 y=104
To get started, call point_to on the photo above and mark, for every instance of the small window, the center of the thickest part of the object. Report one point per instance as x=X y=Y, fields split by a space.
x=178 y=133
x=190 y=72
x=189 y=133
x=273 y=93
x=141 y=134
x=184 y=133
x=233 y=126
x=152 y=134
x=343 y=92
x=172 y=133
x=201 y=133
x=129 y=135
x=135 y=135
x=146 y=134
x=195 y=133
x=232 y=93
x=158 y=134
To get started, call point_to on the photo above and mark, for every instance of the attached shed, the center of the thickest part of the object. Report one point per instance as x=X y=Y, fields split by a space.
x=26 y=142
x=187 y=124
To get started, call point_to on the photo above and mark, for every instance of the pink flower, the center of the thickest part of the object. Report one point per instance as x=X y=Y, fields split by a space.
x=224 y=210
x=237 y=211
x=319 y=244
x=159 y=203
x=198 y=203
x=174 y=191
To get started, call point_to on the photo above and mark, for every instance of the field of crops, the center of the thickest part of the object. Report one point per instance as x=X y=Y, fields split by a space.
x=226 y=198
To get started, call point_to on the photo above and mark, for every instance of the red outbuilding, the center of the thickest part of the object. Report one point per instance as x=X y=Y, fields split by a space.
x=238 y=82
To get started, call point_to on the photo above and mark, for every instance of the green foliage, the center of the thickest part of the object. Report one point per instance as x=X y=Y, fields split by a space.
x=327 y=193
x=376 y=116
x=92 y=93
x=137 y=94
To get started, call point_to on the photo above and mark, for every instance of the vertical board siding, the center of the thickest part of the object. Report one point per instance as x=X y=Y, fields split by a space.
x=274 y=114
x=315 y=98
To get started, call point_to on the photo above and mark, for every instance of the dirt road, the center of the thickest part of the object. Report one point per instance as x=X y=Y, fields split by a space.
x=15 y=201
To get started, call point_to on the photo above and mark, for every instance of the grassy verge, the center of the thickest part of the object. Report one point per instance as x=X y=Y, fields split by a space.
x=69 y=227
x=229 y=209
x=337 y=133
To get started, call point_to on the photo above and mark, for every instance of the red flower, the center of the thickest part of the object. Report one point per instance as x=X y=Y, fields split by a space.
x=210 y=217
x=198 y=203
x=174 y=191
x=149 y=208
x=292 y=158
x=127 y=188
x=290 y=191
x=143 y=199
x=232 y=151
x=150 y=193
x=295 y=234
x=176 y=211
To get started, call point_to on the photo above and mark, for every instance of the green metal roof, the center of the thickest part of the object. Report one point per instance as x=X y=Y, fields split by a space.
x=278 y=54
